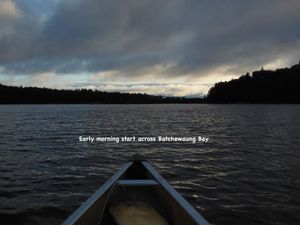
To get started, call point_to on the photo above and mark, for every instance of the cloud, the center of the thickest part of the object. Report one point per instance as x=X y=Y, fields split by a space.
x=149 y=40
x=66 y=81
x=8 y=9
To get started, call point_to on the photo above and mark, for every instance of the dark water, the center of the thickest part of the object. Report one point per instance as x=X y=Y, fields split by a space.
x=248 y=172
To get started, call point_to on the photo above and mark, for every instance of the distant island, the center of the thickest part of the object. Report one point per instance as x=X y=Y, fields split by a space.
x=34 y=95
x=264 y=86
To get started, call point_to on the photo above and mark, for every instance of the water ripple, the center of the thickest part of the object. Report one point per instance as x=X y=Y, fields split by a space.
x=248 y=173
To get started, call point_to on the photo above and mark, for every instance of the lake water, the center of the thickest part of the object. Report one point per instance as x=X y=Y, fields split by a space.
x=247 y=173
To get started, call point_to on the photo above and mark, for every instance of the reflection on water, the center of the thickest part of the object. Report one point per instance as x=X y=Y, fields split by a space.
x=248 y=172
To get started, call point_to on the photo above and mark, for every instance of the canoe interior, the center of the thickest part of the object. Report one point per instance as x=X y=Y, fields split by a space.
x=155 y=195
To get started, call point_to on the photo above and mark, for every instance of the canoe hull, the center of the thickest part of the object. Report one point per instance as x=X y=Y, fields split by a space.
x=136 y=181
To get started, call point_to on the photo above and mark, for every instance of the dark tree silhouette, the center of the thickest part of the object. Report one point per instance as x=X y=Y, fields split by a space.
x=264 y=86
x=33 y=95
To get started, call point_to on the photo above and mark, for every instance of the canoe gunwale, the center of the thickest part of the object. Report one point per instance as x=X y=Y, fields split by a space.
x=74 y=217
x=193 y=213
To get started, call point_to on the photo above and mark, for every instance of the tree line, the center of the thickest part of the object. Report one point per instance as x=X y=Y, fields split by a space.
x=264 y=86
x=35 y=95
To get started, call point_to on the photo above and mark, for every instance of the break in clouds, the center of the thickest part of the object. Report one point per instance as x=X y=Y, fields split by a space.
x=168 y=47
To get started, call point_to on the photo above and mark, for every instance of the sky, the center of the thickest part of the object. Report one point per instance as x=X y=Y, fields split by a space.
x=161 y=47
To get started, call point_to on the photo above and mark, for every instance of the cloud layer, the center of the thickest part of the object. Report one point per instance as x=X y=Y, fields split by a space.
x=145 y=41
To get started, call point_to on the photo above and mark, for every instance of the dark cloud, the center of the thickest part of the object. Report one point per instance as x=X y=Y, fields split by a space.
x=194 y=36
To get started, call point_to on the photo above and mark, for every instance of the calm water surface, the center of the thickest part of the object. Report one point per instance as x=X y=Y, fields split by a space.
x=248 y=172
